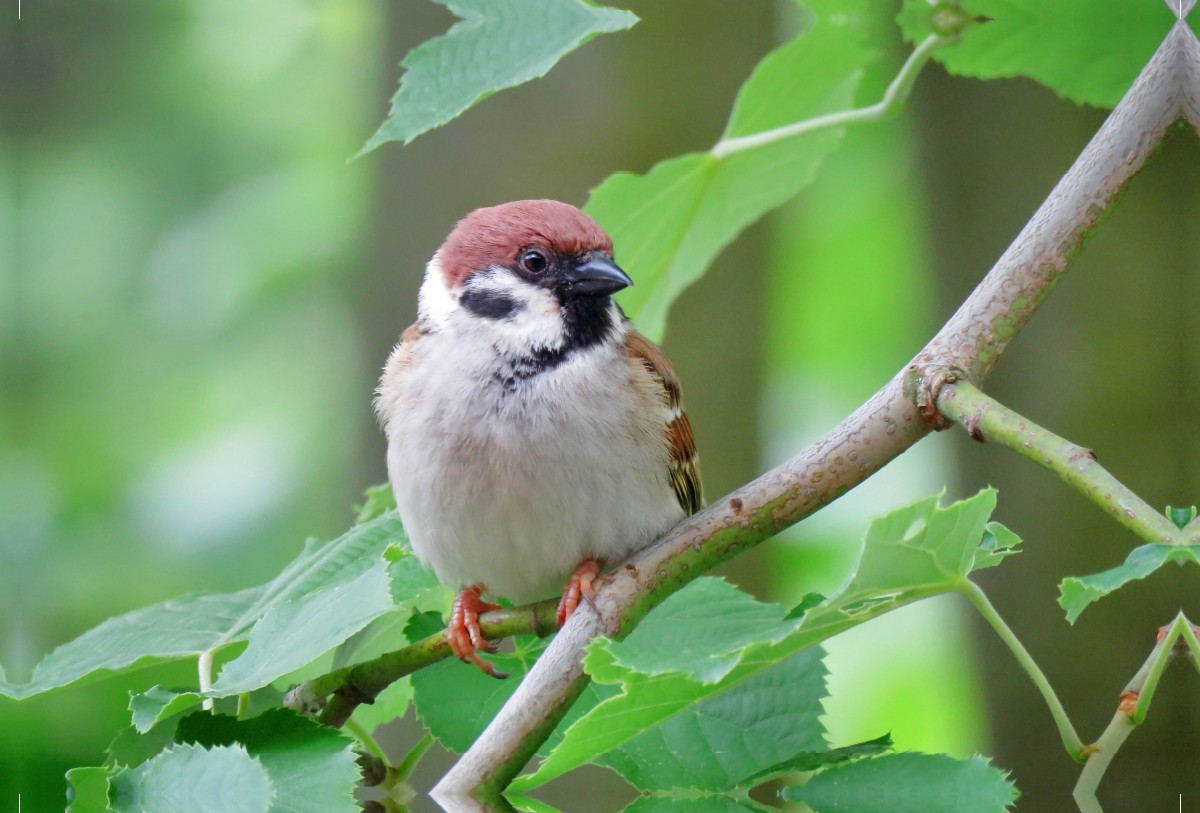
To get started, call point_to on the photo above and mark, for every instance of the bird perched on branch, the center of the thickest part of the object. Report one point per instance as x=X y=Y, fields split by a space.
x=533 y=434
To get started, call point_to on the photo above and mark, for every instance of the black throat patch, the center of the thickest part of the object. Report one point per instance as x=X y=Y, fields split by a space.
x=587 y=321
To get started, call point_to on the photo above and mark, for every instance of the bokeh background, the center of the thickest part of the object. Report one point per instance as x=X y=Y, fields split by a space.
x=197 y=289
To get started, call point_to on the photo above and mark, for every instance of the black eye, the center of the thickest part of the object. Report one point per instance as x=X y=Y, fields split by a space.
x=534 y=261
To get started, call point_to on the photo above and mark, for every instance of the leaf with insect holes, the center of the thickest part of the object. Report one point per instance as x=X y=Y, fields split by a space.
x=496 y=45
x=912 y=553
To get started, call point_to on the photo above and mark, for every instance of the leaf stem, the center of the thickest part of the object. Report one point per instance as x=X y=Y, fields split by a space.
x=204 y=666
x=404 y=770
x=986 y=419
x=364 y=737
x=891 y=104
x=1066 y=730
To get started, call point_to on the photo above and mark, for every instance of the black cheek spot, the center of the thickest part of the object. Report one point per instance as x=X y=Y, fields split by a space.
x=489 y=304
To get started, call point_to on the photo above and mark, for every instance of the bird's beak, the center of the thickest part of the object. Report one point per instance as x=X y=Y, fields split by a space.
x=596 y=276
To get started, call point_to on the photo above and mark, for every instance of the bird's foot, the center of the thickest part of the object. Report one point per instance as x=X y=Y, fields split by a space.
x=463 y=631
x=578 y=586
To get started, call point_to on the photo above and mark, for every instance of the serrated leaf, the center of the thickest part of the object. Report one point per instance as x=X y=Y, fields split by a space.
x=701 y=632
x=185 y=627
x=908 y=783
x=131 y=748
x=721 y=741
x=225 y=779
x=296 y=632
x=312 y=767
x=669 y=224
x=1076 y=593
x=913 y=552
x=807 y=761
x=157 y=704
x=497 y=44
x=1089 y=51
x=88 y=790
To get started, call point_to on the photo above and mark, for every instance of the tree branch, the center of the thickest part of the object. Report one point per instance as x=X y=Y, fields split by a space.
x=891 y=421
x=986 y=419
x=363 y=682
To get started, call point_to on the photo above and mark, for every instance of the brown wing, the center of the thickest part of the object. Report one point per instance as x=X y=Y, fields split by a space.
x=677 y=431
x=389 y=383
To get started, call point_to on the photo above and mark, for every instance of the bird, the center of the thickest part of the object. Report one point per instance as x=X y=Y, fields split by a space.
x=533 y=435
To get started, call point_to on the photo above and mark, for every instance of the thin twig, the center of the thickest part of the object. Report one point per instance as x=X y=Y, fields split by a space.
x=986 y=419
x=891 y=104
x=1131 y=711
x=1066 y=730
x=346 y=688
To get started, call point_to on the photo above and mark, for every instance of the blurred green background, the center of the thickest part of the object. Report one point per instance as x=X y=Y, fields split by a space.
x=197 y=290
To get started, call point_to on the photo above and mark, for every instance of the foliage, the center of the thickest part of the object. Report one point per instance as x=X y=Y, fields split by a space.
x=716 y=692
x=1077 y=592
x=670 y=223
x=1087 y=50
x=495 y=46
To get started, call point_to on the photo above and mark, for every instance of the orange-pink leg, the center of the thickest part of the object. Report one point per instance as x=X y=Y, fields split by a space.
x=578 y=586
x=463 y=631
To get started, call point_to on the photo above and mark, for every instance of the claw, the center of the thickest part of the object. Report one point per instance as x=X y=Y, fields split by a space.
x=463 y=633
x=578 y=586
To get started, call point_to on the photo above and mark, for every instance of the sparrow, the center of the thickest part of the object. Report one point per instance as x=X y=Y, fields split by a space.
x=532 y=434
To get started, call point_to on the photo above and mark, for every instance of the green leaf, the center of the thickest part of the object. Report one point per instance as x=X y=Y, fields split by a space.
x=717 y=743
x=807 y=761
x=296 y=632
x=188 y=626
x=496 y=45
x=913 y=552
x=157 y=704
x=131 y=748
x=87 y=790
x=1076 y=593
x=1089 y=51
x=669 y=224
x=456 y=701
x=312 y=767
x=701 y=632
x=1181 y=516
x=379 y=500
x=699 y=804
x=225 y=779
x=908 y=783
x=390 y=704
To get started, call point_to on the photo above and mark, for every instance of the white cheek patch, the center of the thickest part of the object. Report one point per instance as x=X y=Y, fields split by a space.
x=435 y=302
x=535 y=321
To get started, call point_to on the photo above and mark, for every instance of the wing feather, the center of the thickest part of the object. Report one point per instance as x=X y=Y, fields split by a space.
x=684 y=471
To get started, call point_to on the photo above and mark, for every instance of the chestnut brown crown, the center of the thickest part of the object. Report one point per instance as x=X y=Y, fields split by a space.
x=494 y=236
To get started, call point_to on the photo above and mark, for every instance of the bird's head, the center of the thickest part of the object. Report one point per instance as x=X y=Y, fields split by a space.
x=540 y=271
